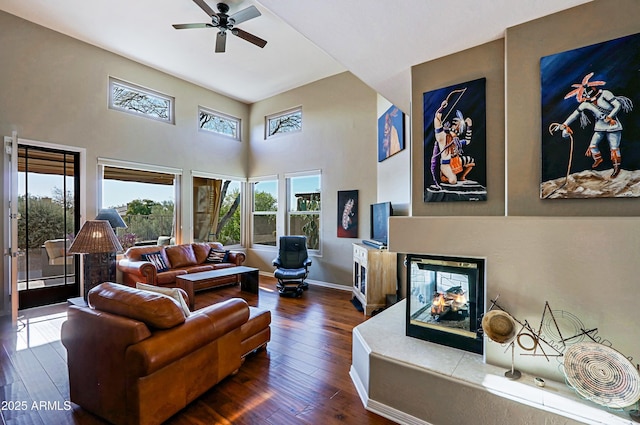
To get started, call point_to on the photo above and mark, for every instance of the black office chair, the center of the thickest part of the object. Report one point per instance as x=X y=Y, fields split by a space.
x=292 y=266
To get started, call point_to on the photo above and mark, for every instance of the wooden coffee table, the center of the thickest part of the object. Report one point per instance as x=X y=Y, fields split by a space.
x=249 y=280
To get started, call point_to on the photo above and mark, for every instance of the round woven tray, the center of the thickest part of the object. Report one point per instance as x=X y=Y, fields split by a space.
x=499 y=326
x=602 y=375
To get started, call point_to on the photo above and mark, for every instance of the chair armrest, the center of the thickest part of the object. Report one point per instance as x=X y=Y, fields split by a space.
x=276 y=262
x=307 y=262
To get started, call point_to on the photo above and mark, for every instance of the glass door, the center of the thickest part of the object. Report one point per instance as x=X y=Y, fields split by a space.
x=48 y=193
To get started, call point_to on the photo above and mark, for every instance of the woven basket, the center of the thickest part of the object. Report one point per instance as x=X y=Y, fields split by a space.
x=499 y=326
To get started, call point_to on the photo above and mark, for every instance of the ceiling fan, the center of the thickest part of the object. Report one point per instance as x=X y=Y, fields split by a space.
x=226 y=23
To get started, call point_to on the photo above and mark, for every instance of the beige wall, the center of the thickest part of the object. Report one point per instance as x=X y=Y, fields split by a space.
x=54 y=89
x=483 y=61
x=578 y=265
x=395 y=171
x=591 y=23
x=339 y=137
x=572 y=253
x=56 y=92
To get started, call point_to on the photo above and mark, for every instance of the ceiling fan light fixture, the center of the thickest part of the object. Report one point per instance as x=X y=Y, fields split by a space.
x=225 y=23
x=222 y=7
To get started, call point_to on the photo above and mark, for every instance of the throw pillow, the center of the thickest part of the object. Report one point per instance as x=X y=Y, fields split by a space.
x=180 y=256
x=156 y=259
x=174 y=293
x=217 y=256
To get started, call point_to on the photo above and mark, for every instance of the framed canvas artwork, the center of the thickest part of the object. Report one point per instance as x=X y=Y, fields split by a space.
x=590 y=127
x=455 y=143
x=347 y=213
x=390 y=133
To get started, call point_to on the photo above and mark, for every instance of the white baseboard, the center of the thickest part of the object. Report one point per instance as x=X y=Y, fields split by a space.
x=382 y=409
x=394 y=414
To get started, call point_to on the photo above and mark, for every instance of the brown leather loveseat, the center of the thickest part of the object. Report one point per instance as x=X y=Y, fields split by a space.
x=179 y=259
x=135 y=357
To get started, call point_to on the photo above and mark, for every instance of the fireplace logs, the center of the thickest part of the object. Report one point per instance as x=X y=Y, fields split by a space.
x=450 y=305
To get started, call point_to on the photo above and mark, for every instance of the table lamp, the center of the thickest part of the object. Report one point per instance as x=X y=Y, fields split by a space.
x=112 y=216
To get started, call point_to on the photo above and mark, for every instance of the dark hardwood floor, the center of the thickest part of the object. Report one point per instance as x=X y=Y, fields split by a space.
x=301 y=378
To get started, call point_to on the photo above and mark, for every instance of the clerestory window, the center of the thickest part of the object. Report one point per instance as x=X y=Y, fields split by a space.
x=133 y=99
x=219 y=123
x=284 y=122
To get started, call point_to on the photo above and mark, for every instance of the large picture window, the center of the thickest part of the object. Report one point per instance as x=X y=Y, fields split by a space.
x=133 y=99
x=145 y=197
x=304 y=207
x=264 y=211
x=217 y=210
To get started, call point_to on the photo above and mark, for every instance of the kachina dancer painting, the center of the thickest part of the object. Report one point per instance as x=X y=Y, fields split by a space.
x=590 y=128
x=455 y=143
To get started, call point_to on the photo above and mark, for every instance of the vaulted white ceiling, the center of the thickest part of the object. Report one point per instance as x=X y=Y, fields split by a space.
x=378 y=41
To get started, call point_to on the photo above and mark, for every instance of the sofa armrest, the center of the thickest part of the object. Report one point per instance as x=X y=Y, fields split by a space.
x=237 y=257
x=199 y=329
x=96 y=344
x=138 y=271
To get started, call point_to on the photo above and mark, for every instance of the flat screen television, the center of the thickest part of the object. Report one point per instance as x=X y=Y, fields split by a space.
x=380 y=214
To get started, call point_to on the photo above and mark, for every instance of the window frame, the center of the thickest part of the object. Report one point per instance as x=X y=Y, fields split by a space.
x=142 y=90
x=177 y=172
x=254 y=213
x=289 y=212
x=221 y=116
x=241 y=207
x=277 y=115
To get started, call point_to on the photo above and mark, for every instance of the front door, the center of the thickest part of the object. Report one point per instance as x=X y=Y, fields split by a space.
x=48 y=190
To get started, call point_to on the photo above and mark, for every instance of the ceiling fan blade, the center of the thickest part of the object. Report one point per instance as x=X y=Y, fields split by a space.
x=221 y=42
x=204 y=6
x=249 y=37
x=245 y=14
x=191 y=26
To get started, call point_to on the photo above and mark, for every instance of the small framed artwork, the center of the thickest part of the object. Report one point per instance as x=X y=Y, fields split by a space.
x=347 y=213
x=590 y=127
x=390 y=133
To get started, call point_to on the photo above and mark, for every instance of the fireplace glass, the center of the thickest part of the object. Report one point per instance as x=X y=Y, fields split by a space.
x=445 y=300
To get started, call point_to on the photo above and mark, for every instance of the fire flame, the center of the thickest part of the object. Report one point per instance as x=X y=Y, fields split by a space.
x=442 y=303
x=438 y=304
x=459 y=300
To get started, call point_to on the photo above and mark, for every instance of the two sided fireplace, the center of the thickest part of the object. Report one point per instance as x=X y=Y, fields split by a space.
x=445 y=300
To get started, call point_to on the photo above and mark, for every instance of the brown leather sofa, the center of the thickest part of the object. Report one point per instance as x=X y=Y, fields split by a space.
x=134 y=358
x=181 y=259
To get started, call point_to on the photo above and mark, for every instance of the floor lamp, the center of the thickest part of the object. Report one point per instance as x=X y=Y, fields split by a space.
x=97 y=240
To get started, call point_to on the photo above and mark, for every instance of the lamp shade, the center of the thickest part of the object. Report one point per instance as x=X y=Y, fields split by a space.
x=94 y=237
x=112 y=216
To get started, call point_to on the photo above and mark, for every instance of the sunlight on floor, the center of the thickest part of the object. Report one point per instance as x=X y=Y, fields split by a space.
x=251 y=404
x=35 y=331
